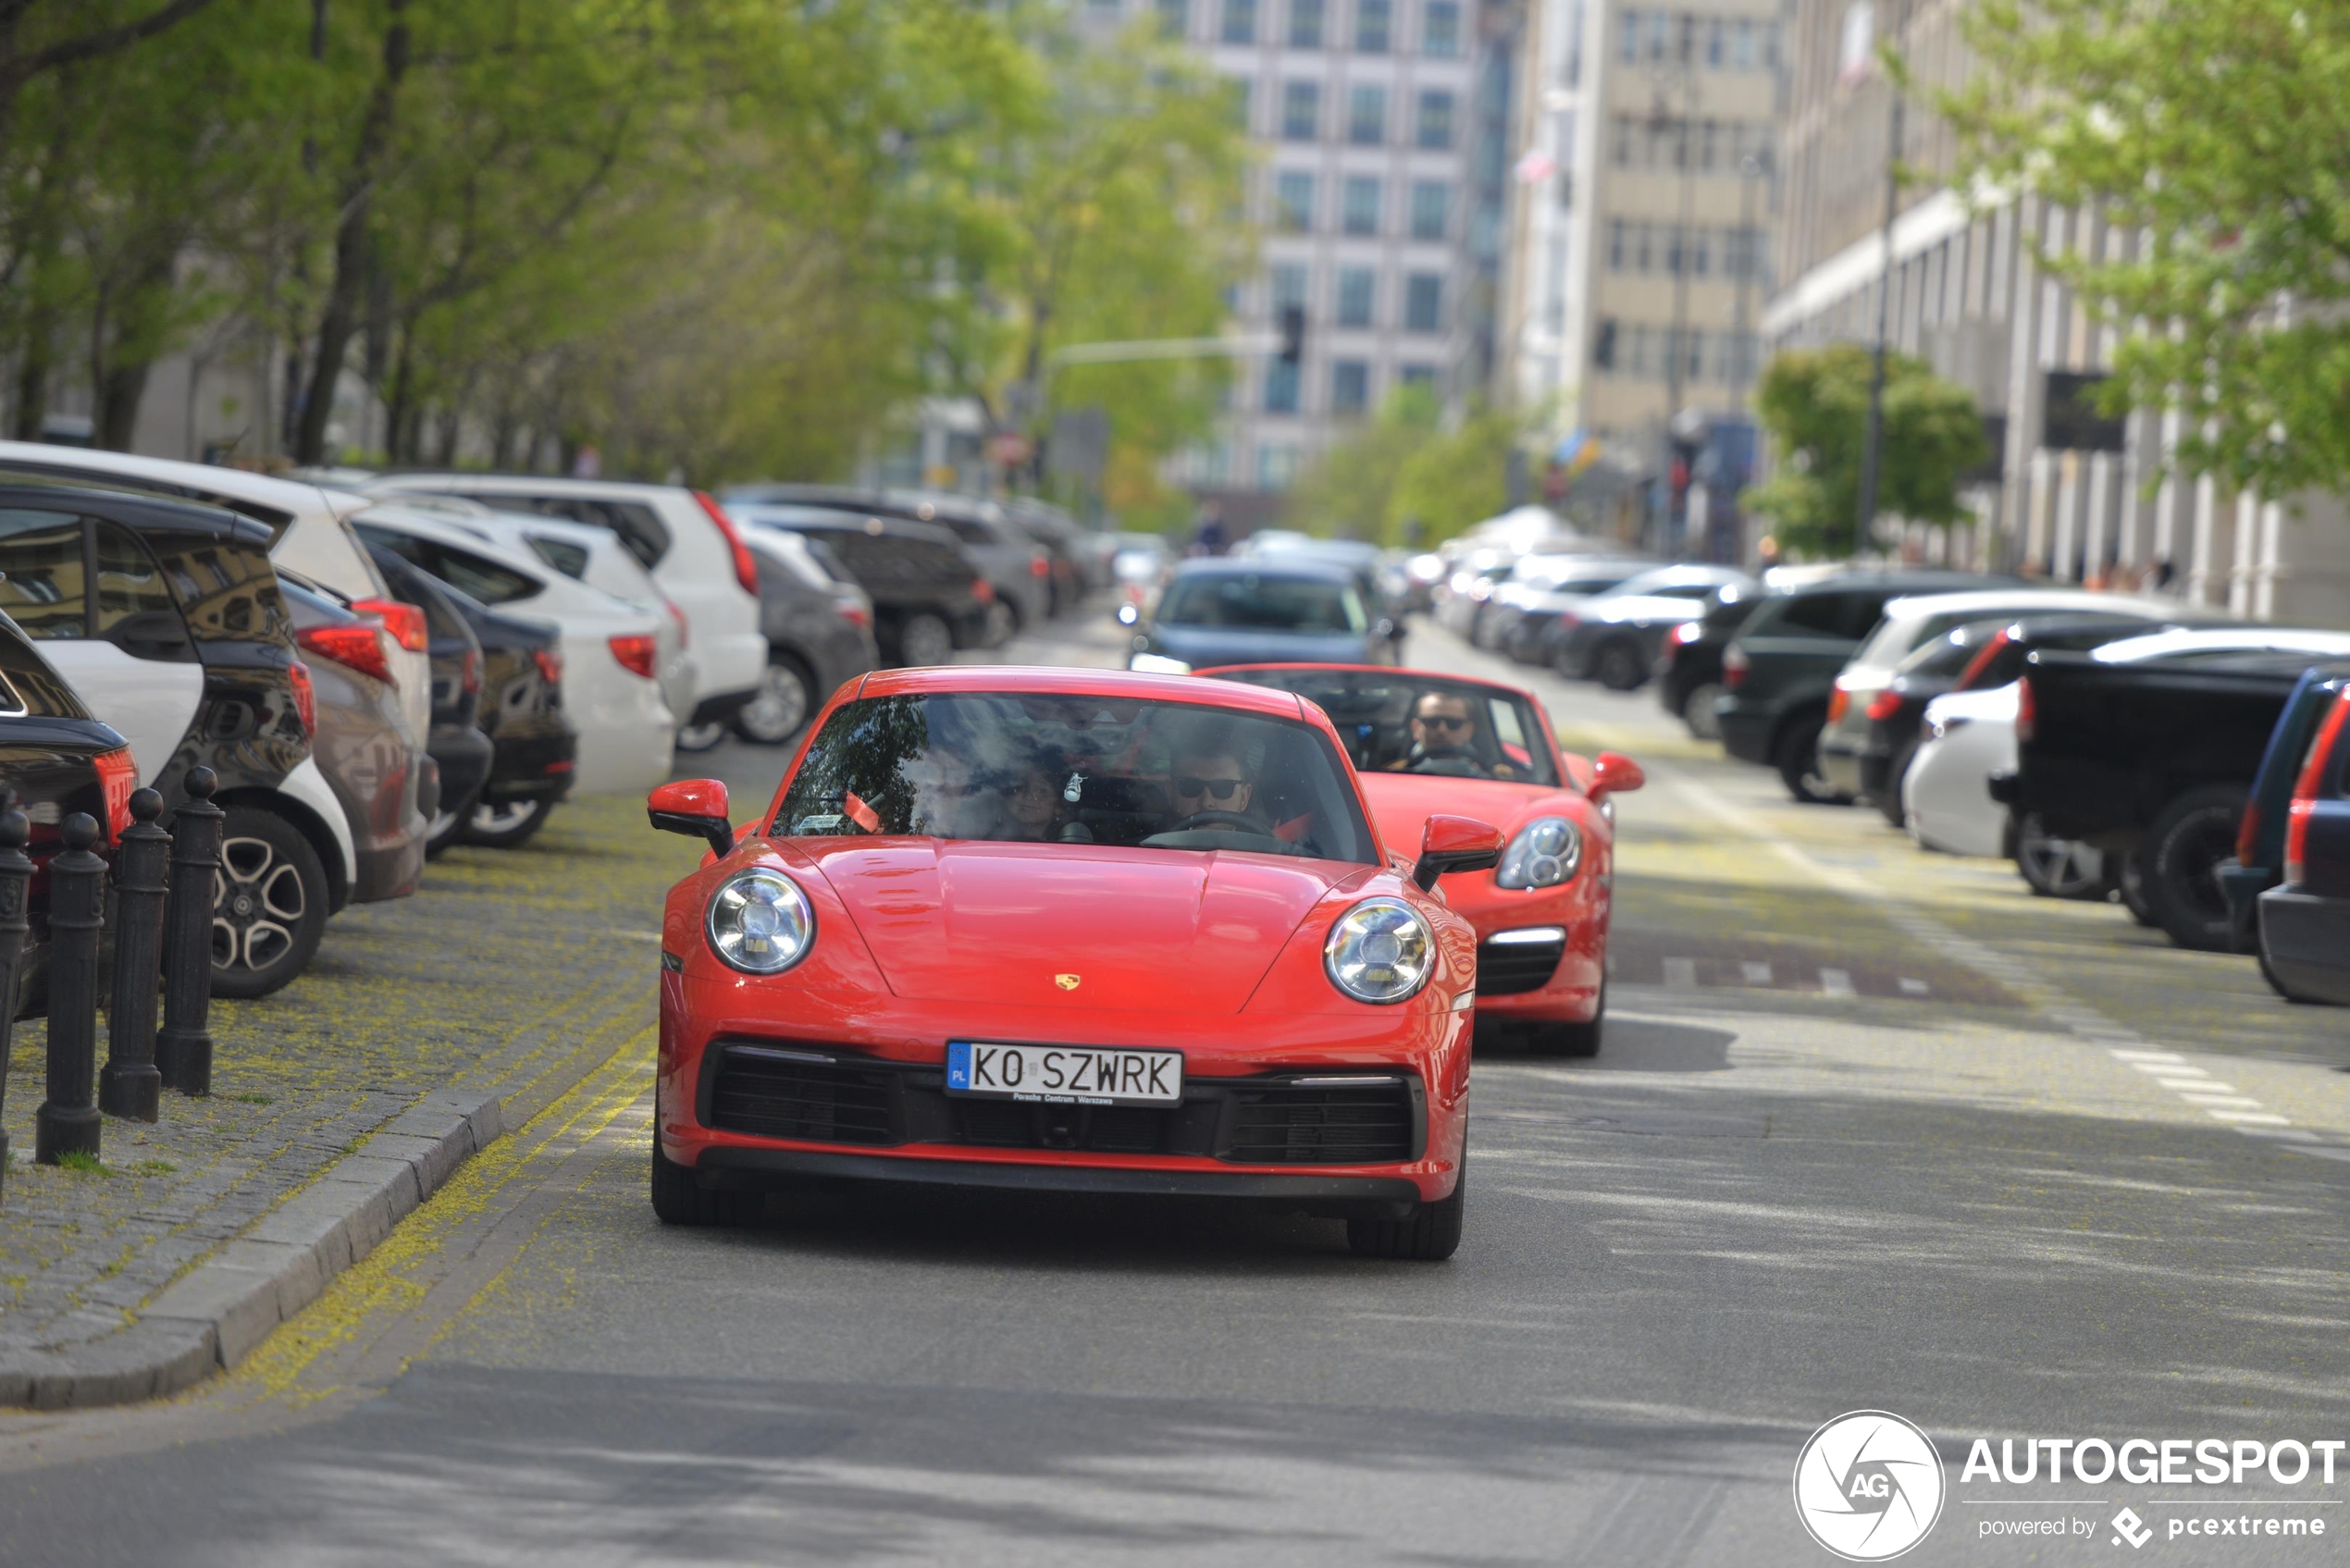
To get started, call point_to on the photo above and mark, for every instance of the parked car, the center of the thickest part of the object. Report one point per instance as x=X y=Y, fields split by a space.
x=459 y=747
x=1477 y=574
x=187 y=649
x=820 y=634
x=2147 y=747
x=2305 y=920
x=1016 y=564
x=2260 y=834
x=1779 y=671
x=687 y=540
x=308 y=529
x=535 y=747
x=1688 y=667
x=1081 y=555
x=1424 y=743
x=54 y=760
x=1525 y=608
x=1264 y=609
x=1614 y=638
x=929 y=597
x=611 y=650
x=370 y=758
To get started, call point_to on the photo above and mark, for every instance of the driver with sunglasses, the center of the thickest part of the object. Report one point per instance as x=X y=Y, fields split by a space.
x=1208 y=777
x=1444 y=739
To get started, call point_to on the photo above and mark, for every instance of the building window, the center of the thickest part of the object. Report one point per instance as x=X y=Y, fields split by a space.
x=1236 y=95
x=1440 y=29
x=1617 y=248
x=1280 y=387
x=1660 y=35
x=1627 y=41
x=1604 y=345
x=1240 y=21
x=1287 y=283
x=1435 y=125
x=1371 y=22
x=1350 y=386
x=1742 y=44
x=1423 y=302
x=1301 y=110
x=1292 y=201
x=1431 y=208
x=1276 y=466
x=1642 y=234
x=1306 y=24
x=1418 y=376
x=1361 y=204
x=1366 y=114
x=1357 y=286
x=1714 y=31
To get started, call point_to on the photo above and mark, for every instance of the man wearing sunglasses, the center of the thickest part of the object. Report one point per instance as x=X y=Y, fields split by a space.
x=1444 y=739
x=1209 y=776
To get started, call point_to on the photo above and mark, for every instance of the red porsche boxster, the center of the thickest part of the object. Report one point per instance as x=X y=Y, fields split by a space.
x=1073 y=930
x=1427 y=743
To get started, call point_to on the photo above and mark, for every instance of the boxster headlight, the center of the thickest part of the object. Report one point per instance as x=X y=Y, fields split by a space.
x=760 y=923
x=1544 y=854
x=1379 y=951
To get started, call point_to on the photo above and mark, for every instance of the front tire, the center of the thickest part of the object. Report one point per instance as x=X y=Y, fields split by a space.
x=270 y=903
x=1619 y=665
x=1797 y=757
x=2059 y=868
x=1430 y=1235
x=1696 y=710
x=679 y=1199
x=786 y=697
x=2132 y=885
x=924 y=639
x=2193 y=837
x=505 y=824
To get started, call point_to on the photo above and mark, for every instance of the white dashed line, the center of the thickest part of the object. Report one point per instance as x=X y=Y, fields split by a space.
x=2251 y=1118
x=1837 y=982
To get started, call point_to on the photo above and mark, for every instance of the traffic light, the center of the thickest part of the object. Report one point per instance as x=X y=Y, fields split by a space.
x=1293 y=324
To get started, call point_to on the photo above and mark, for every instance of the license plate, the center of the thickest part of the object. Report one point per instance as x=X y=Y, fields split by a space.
x=1064 y=1075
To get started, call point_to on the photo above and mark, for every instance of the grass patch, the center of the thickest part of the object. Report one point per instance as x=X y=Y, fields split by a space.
x=83 y=1163
x=153 y=1168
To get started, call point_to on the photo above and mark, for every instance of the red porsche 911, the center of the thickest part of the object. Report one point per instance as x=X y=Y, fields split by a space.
x=1426 y=743
x=1059 y=928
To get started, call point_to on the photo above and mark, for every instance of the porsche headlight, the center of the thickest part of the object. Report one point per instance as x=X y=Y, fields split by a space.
x=759 y=923
x=1379 y=951
x=1544 y=854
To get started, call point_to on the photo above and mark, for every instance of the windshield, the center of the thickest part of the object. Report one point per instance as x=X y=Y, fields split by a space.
x=1034 y=767
x=1409 y=722
x=1263 y=602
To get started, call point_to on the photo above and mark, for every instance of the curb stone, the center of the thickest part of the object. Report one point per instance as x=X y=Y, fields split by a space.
x=212 y=1317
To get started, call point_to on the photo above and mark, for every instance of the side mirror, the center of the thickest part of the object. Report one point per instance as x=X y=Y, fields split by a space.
x=1455 y=844
x=696 y=808
x=1128 y=615
x=1616 y=775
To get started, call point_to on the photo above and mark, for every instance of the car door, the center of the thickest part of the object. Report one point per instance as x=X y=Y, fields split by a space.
x=125 y=646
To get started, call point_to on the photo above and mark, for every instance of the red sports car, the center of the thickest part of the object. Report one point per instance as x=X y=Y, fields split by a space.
x=1063 y=929
x=1426 y=743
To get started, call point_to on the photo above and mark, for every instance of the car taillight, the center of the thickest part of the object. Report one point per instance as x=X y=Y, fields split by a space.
x=359 y=648
x=854 y=614
x=983 y=590
x=1983 y=656
x=470 y=679
x=2026 y=711
x=305 y=699
x=636 y=653
x=2305 y=794
x=1734 y=667
x=746 y=565
x=1039 y=565
x=117 y=776
x=1883 y=705
x=1838 y=700
x=551 y=665
x=404 y=622
x=1568 y=619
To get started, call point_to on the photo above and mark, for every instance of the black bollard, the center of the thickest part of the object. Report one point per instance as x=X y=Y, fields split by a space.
x=128 y=1085
x=183 y=1051
x=15 y=877
x=67 y=1121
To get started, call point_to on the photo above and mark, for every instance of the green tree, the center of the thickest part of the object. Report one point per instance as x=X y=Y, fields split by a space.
x=1350 y=488
x=2220 y=130
x=1815 y=405
x=1460 y=477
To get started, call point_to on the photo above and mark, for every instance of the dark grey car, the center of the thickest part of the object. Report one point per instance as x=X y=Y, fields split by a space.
x=820 y=633
x=1221 y=610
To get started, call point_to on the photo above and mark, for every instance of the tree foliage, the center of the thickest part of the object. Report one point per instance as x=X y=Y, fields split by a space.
x=2219 y=130
x=1815 y=404
x=1406 y=466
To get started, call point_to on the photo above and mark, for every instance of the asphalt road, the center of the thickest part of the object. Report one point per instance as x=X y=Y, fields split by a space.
x=1871 y=1129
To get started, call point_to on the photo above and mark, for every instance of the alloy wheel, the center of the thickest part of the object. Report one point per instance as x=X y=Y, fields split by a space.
x=258 y=904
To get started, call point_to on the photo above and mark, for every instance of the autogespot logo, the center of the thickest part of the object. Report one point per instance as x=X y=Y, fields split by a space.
x=1868 y=1486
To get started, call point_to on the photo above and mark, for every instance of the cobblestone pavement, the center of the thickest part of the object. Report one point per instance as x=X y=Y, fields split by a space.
x=506 y=971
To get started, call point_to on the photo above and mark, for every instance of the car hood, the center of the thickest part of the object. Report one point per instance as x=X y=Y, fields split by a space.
x=1402 y=803
x=995 y=923
x=1204 y=645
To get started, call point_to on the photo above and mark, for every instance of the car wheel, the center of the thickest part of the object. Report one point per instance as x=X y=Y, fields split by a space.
x=786 y=696
x=2193 y=837
x=443 y=833
x=1797 y=757
x=2059 y=868
x=1431 y=1234
x=1619 y=665
x=268 y=904
x=505 y=824
x=1001 y=624
x=1888 y=804
x=678 y=1199
x=700 y=737
x=1696 y=710
x=924 y=639
x=2132 y=887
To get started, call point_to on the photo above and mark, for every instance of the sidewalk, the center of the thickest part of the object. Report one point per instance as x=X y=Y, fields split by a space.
x=423 y=1028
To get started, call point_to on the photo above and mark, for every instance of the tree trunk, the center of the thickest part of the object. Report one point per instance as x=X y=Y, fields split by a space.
x=339 y=316
x=32 y=373
x=399 y=405
x=127 y=331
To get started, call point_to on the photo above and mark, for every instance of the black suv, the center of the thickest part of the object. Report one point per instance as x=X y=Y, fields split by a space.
x=1780 y=669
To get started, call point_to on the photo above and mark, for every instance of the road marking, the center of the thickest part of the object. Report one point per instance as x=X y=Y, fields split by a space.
x=2157 y=1069
x=1681 y=973
x=1756 y=974
x=2257 y=1119
x=1835 y=982
x=2235 y=1102
x=1911 y=987
x=2124 y=1055
x=2197 y=1085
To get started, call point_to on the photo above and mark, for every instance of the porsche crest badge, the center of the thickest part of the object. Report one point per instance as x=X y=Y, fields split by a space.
x=1066 y=982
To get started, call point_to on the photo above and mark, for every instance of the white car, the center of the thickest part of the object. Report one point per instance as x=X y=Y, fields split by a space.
x=610 y=650
x=312 y=539
x=688 y=544
x=1946 y=797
